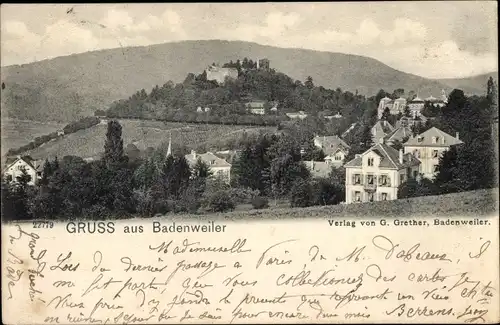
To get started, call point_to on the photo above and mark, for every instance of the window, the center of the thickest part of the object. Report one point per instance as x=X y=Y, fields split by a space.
x=420 y=139
x=357 y=179
x=370 y=161
x=383 y=196
x=415 y=174
x=212 y=162
x=338 y=157
x=434 y=153
x=435 y=168
x=416 y=153
x=357 y=196
x=384 y=180
x=401 y=178
x=370 y=197
x=370 y=179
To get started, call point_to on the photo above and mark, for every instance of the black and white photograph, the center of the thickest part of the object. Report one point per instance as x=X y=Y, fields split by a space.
x=249 y=112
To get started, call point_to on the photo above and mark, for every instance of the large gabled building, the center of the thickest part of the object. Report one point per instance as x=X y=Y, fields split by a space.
x=376 y=174
x=428 y=147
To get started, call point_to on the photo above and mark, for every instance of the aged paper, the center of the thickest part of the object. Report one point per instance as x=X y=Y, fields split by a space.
x=267 y=272
x=250 y=163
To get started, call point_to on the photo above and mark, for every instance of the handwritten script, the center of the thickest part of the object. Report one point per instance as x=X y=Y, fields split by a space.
x=282 y=272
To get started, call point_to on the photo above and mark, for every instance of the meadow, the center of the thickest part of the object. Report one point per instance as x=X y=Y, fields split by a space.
x=471 y=204
x=16 y=133
x=143 y=134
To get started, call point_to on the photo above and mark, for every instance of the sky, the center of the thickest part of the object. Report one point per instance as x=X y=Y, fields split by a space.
x=431 y=39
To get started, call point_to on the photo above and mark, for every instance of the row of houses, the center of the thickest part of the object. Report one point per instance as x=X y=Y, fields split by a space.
x=415 y=105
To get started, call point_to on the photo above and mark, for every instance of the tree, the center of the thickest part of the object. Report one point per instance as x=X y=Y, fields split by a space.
x=301 y=193
x=113 y=145
x=309 y=83
x=406 y=111
x=447 y=172
x=386 y=115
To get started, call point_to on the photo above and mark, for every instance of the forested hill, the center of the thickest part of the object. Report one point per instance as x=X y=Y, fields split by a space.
x=225 y=103
x=66 y=88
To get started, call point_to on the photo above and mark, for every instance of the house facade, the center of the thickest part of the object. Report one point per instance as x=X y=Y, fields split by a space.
x=334 y=147
x=15 y=167
x=298 y=115
x=376 y=174
x=428 y=147
x=395 y=106
x=218 y=166
x=256 y=107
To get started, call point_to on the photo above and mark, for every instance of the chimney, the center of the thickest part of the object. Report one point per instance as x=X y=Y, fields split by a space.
x=400 y=156
x=312 y=164
x=457 y=135
x=381 y=140
x=357 y=155
x=193 y=153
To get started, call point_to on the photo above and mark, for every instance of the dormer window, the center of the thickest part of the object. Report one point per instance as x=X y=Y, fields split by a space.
x=370 y=161
x=212 y=162
x=338 y=157
x=420 y=139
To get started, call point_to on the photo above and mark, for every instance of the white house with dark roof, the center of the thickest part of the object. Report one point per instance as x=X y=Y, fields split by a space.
x=376 y=174
x=218 y=166
x=428 y=147
x=334 y=148
x=15 y=167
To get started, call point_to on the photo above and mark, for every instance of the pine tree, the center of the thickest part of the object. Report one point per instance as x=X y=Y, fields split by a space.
x=113 y=146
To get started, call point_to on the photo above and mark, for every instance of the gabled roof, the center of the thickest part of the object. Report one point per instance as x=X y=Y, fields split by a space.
x=331 y=144
x=382 y=126
x=398 y=134
x=27 y=159
x=428 y=136
x=389 y=158
x=209 y=158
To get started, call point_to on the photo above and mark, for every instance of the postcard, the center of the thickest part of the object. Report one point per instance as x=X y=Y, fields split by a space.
x=236 y=163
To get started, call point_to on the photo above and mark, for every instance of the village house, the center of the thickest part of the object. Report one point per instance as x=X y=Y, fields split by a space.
x=298 y=115
x=428 y=147
x=380 y=130
x=15 y=167
x=256 y=107
x=334 y=147
x=218 y=166
x=400 y=134
x=202 y=110
x=376 y=174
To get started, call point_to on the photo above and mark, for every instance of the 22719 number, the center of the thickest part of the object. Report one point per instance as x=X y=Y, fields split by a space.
x=43 y=224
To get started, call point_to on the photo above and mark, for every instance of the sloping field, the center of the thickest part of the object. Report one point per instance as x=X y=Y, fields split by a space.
x=478 y=203
x=90 y=142
x=17 y=133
